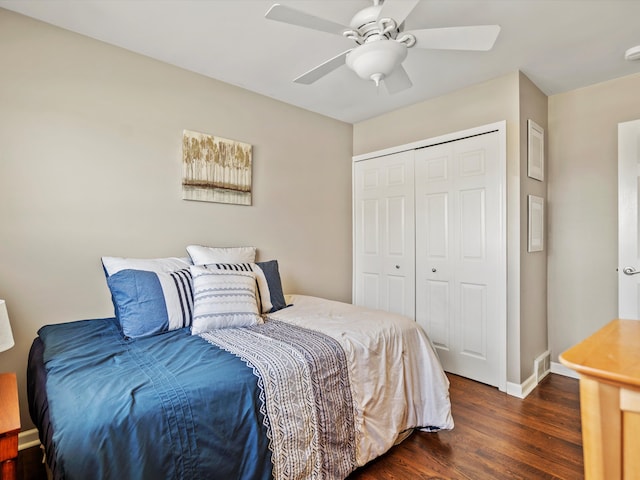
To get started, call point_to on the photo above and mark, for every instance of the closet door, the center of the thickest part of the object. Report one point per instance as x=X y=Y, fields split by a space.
x=384 y=259
x=458 y=248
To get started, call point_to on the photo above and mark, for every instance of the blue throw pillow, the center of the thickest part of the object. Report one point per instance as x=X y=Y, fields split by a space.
x=147 y=302
x=272 y=274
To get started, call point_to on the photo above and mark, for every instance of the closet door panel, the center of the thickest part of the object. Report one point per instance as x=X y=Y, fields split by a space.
x=458 y=199
x=436 y=224
x=434 y=242
x=437 y=295
x=384 y=243
x=397 y=227
x=397 y=293
x=370 y=227
x=473 y=319
x=370 y=290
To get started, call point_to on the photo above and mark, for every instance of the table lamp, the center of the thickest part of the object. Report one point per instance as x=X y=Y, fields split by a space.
x=6 y=337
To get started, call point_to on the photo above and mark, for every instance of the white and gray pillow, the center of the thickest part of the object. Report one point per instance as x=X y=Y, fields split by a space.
x=223 y=299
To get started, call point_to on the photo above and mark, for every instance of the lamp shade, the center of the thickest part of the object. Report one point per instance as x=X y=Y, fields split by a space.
x=6 y=337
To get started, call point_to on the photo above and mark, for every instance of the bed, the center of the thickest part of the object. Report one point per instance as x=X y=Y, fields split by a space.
x=313 y=389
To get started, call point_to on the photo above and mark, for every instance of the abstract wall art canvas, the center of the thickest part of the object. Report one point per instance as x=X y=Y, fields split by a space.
x=215 y=169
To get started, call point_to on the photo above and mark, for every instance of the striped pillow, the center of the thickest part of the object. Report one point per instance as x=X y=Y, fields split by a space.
x=147 y=302
x=223 y=299
x=270 y=294
x=264 y=297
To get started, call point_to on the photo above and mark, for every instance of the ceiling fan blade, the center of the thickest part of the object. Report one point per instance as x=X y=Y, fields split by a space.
x=282 y=13
x=479 y=37
x=399 y=10
x=399 y=80
x=322 y=69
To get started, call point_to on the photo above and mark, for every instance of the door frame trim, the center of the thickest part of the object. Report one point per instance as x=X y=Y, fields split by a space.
x=501 y=129
x=627 y=211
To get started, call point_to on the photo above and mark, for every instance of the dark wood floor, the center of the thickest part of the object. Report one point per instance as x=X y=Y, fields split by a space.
x=496 y=436
x=30 y=465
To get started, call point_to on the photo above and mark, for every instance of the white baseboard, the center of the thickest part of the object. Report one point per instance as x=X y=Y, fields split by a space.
x=562 y=370
x=542 y=366
x=28 y=439
x=523 y=389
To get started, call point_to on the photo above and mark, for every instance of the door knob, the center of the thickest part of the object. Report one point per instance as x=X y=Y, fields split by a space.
x=433 y=270
x=398 y=267
x=630 y=271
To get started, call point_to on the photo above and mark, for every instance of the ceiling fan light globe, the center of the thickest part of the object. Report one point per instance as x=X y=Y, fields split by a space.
x=376 y=60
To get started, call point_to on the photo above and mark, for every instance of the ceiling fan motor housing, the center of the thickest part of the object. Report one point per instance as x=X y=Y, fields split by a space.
x=368 y=26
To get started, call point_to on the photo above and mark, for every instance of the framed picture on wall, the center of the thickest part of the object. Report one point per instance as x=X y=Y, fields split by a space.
x=215 y=169
x=536 y=224
x=535 y=150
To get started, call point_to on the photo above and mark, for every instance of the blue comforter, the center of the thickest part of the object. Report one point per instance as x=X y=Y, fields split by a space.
x=168 y=421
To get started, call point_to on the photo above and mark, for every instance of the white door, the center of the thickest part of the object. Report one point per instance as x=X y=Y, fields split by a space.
x=384 y=260
x=628 y=245
x=459 y=270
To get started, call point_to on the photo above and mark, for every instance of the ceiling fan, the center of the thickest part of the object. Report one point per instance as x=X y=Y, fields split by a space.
x=381 y=42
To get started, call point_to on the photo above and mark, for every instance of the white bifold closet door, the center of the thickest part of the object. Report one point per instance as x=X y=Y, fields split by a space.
x=458 y=248
x=384 y=249
x=427 y=244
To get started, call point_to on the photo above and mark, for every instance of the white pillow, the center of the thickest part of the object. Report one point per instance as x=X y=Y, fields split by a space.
x=113 y=265
x=264 y=295
x=204 y=255
x=223 y=299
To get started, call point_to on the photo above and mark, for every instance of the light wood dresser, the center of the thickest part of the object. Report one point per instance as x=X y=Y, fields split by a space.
x=608 y=363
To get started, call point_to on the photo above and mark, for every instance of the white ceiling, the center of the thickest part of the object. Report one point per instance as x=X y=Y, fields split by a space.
x=559 y=44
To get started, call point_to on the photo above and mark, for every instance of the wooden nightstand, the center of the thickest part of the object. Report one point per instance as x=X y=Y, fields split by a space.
x=9 y=425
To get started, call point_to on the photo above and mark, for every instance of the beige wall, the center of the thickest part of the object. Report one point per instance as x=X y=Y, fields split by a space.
x=533 y=265
x=90 y=139
x=583 y=235
x=480 y=104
